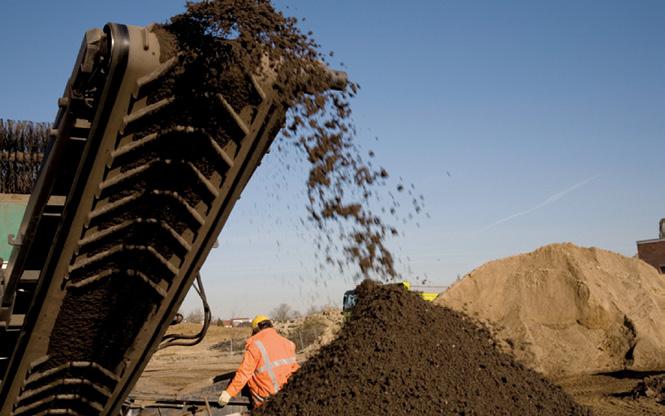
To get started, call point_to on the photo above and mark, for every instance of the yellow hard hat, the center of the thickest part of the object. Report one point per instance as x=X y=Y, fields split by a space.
x=258 y=319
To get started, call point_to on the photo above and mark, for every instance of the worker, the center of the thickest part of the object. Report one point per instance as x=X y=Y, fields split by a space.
x=267 y=364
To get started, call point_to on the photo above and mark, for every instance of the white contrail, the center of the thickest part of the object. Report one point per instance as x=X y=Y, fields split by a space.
x=550 y=200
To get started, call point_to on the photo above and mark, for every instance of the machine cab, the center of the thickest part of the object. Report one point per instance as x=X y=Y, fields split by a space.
x=349 y=301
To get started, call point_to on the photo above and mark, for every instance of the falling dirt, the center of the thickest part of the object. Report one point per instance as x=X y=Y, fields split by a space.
x=219 y=45
x=563 y=309
x=399 y=355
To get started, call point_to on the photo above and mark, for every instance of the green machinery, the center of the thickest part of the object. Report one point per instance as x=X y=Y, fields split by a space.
x=12 y=208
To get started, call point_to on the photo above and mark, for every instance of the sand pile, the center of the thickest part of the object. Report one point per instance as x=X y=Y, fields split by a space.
x=399 y=355
x=332 y=319
x=312 y=332
x=565 y=309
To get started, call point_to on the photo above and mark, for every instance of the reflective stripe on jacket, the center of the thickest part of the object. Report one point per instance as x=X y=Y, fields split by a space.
x=269 y=361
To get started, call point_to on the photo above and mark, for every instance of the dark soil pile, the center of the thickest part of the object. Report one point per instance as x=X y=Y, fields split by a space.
x=219 y=44
x=399 y=355
x=22 y=147
x=651 y=387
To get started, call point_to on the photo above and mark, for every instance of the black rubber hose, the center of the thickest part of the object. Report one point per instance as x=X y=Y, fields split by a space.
x=182 y=340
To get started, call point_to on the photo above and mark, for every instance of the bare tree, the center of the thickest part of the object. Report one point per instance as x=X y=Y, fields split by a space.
x=317 y=309
x=313 y=310
x=195 y=316
x=281 y=313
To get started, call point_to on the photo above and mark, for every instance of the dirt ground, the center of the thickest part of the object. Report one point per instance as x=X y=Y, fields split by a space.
x=609 y=395
x=178 y=370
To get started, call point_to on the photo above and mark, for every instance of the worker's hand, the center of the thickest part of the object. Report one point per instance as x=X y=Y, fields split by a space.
x=224 y=398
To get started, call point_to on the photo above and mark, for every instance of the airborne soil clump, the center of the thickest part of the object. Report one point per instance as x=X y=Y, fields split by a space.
x=219 y=46
x=399 y=355
x=564 y=309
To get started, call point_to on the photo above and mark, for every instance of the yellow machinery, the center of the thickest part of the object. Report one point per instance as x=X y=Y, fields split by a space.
x=428 y=293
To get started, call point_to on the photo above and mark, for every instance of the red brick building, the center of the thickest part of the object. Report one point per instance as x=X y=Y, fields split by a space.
x=653 y=251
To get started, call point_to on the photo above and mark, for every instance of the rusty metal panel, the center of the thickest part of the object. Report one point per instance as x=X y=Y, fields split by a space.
x=653 y=253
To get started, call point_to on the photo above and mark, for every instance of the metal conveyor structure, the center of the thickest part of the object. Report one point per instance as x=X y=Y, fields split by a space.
x=117 y=227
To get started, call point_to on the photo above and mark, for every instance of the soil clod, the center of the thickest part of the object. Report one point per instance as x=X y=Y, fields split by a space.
x=651 y=387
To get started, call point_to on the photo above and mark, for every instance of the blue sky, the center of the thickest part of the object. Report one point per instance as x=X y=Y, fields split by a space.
x=522 y=122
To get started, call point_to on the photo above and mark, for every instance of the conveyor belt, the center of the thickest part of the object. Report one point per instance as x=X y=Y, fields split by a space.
x=118 y=226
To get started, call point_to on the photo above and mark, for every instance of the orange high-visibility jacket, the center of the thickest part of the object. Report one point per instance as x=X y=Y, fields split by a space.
x=269 y=361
